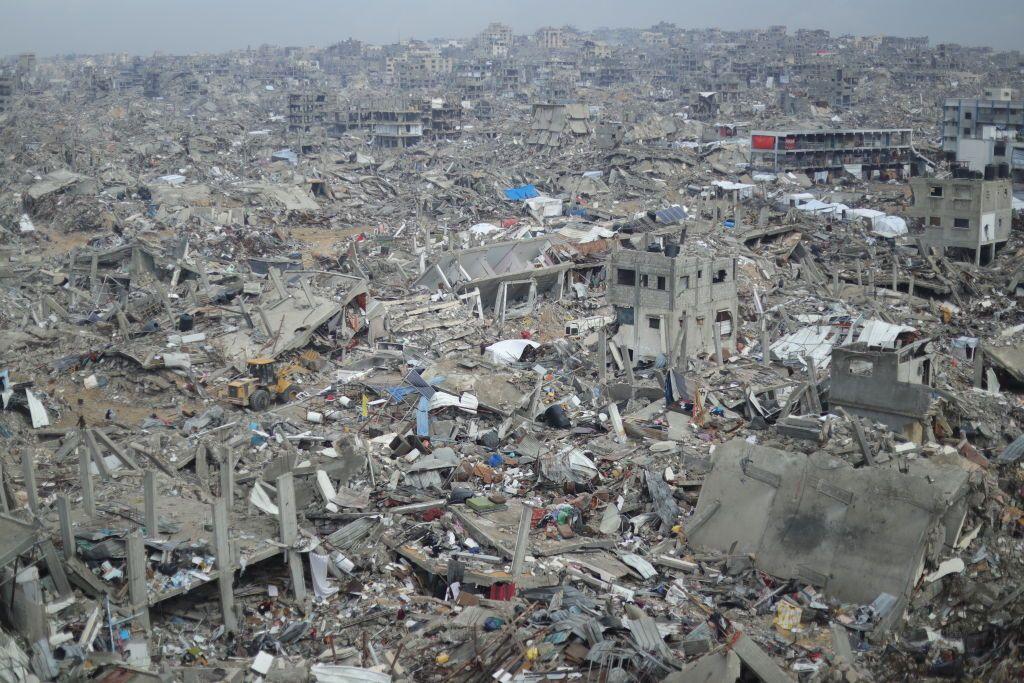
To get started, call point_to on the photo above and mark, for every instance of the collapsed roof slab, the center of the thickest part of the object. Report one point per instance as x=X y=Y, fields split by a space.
x=856 y=533
x=292 y=320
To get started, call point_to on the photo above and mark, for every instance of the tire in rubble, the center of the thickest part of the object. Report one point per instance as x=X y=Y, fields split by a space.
x=260 y=400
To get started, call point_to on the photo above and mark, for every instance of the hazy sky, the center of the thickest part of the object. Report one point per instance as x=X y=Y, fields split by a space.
x=49 y=27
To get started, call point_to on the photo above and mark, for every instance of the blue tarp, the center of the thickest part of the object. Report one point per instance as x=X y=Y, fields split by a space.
x=518 y=194
x=423 y=417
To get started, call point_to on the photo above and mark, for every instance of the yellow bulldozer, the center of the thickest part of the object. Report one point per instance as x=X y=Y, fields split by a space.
x=267 y=382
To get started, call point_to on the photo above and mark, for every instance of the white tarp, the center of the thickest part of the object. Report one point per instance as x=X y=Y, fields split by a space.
x=889 y=226
x=509 y=350
x=259 y=498
x=466 y=402
x=745 y=190
x=336 y=673
x=36 y=409
x=870 y=214
x=484 y=229
x=583 y=236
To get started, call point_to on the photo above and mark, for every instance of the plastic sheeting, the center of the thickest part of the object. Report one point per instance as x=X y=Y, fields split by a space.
x=509 y=350
x=518 y=194
x=889 y=226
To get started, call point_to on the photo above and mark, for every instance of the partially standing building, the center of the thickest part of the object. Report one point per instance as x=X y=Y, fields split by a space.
x=859 y=151
x=968 y=215
x=979 y=131
x=672 y=302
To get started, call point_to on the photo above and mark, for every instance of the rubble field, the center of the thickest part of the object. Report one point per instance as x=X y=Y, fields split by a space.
x=617 y=356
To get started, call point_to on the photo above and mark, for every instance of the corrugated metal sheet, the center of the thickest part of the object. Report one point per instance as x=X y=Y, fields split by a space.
x=815 y=341
x=880 y=334
x=1013 y=452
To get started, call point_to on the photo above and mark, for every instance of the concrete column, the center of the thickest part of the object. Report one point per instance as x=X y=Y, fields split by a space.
x=137 y=591
x=716 y=336
x=28 y=472
x=684 y=328
x=67 y=533
x=812 y=386
x=202 y=465
x=5 y=505
x=85 y=476
x=522 y=541
x=225 y=564
x=290 y=532
x=150 y=499
x=602 y=355
x=766 y=355
x=227 y=476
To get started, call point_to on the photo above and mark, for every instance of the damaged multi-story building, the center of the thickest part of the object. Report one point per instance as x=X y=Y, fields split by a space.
x=390 y=122
x=557 y=124
x=6 y=91
x=888 y=150
x=985 y=130
x=306 y=111
x=969 y=214
x=672 y=302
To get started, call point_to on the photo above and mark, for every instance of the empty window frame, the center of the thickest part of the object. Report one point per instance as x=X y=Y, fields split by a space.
x=935 y=191
x=935 y=221
x=861 y=368
x=625 y=276
x=719 y=276
x=962 y=223
x=684 y=282
x=661 y=282
x=654 y=323
x=624 y=316
x=644 y=279
x=723 y=319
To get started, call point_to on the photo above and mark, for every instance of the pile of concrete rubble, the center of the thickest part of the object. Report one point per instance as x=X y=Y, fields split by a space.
x=482 y=411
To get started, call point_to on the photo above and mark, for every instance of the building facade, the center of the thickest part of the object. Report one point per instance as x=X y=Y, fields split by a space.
x=869 y=150
x=666 y=303
x=891 y=386
x=966 y=215
x=985 y=130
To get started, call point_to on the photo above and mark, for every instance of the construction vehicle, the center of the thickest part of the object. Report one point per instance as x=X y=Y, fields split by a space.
x=264 y=384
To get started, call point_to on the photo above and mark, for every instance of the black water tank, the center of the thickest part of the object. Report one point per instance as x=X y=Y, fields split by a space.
x=654 y=248
x=990 y=172
x=1004 y=170
x=185 y=322
x=671 y=250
